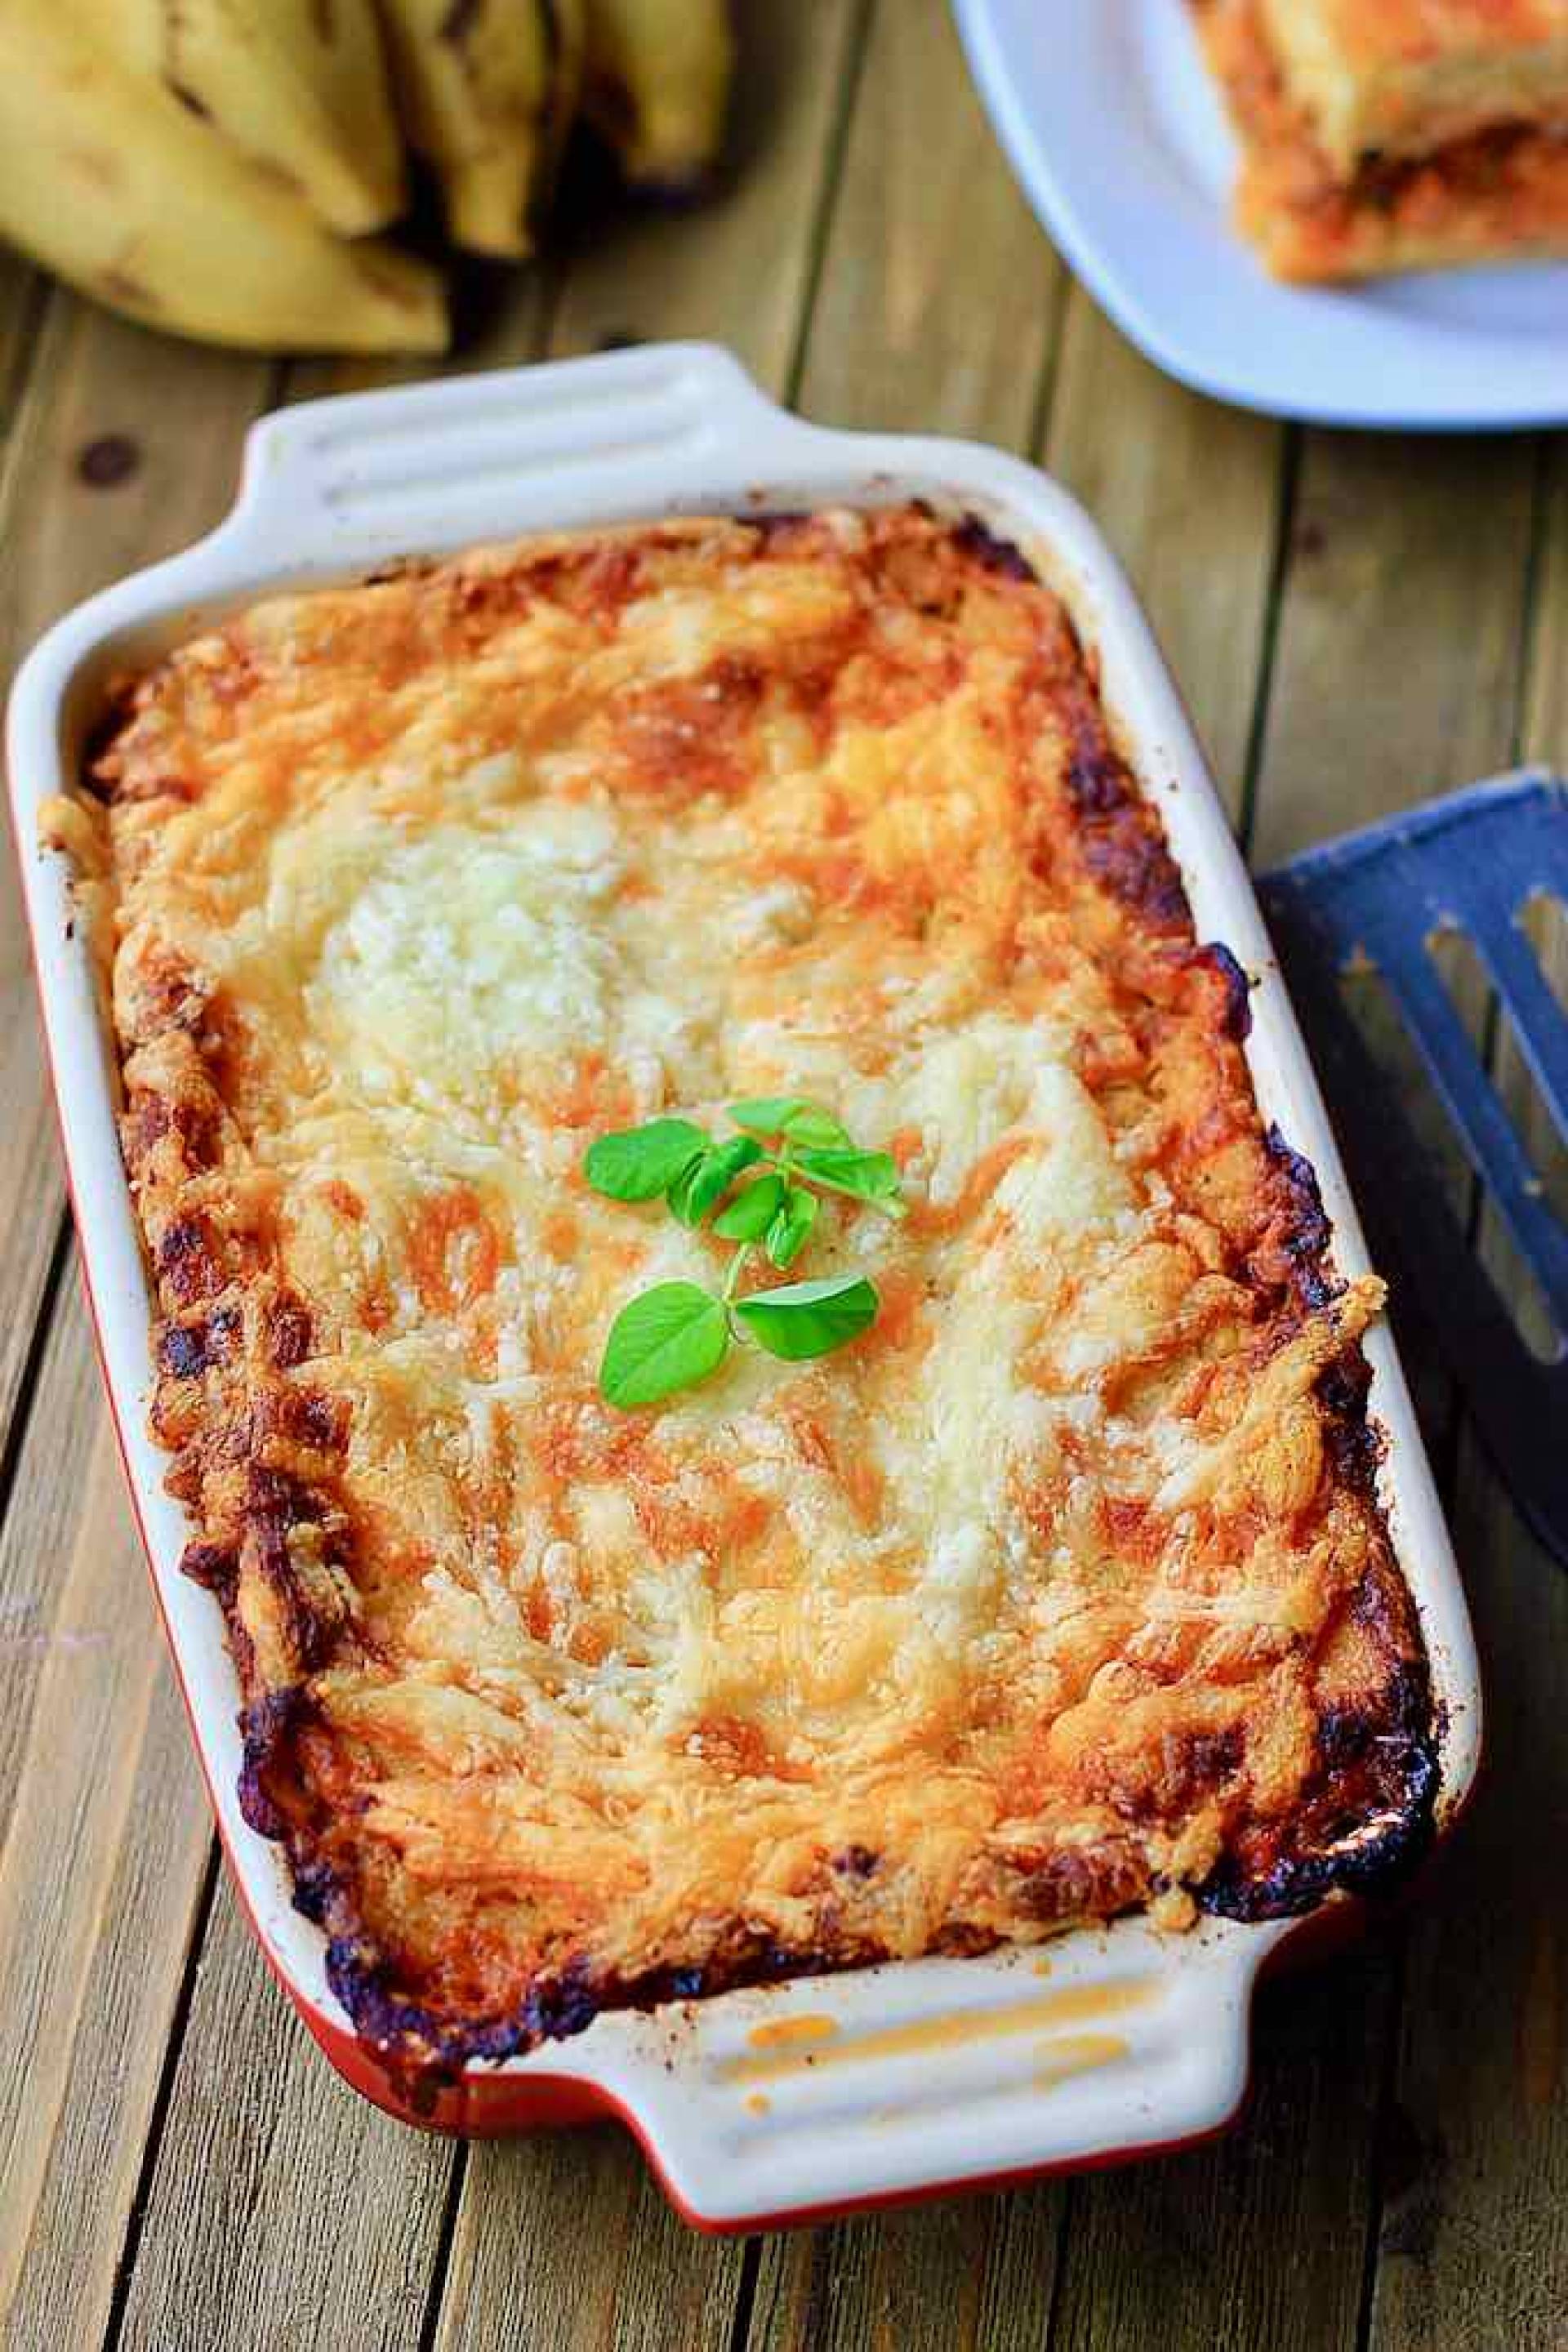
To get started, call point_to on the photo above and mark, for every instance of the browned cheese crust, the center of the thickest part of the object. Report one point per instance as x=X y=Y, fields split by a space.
x=1064 y=1592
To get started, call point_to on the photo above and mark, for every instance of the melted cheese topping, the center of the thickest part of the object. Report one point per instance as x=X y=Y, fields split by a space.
x=1026 y=1605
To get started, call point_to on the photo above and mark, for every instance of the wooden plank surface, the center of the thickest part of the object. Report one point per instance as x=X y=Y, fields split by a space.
x=940 y=301
x=22 y=297
x=1189 y=496
x=285 y=2210
x=565 y=2244
x=1402 y=630
x=103 y=1834
x=177 y=2166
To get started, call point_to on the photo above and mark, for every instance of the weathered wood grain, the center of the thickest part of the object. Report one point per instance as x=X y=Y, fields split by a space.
x=103 y=1828
x=1546 y=732
x=1258 y=2240
x=284 y=2210
x=124 y=446
x=1395 y=671
x=21 y=302
x=971 y=2274
x=1401 y=637
x=1188 y=494
x=1473 y=2249
x=940 y=297
x=1473 y=2246
x=565 y=2244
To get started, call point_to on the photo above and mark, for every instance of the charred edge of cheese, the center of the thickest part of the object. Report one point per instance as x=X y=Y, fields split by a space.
x=317 y=855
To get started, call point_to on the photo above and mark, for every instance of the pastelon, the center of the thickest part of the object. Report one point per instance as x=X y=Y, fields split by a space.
x=761 y=1189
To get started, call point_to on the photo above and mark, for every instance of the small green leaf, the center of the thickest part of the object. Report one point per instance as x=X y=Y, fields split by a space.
x=695 y=1192
x=643 y=1161
x=809 y=1319
x=864 y=1175
x=751 y=1213
x=811 y=1128
x=766 y=1115
x=804 y=1123
x=668 y=1337
x=790 y=1229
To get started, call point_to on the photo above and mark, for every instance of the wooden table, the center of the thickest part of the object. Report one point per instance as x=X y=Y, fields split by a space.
x=1358 y=624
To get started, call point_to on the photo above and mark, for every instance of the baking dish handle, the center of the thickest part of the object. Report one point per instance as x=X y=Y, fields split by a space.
x=360 y=476
x=936 y=2074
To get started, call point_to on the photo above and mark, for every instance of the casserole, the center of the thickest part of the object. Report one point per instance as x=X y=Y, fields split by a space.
x=1396 y=136
x=731 y=2096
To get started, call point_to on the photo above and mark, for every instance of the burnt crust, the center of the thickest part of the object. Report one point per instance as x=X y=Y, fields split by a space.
x=259 y=1447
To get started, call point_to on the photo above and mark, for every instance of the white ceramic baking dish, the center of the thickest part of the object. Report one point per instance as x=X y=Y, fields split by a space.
x=763 y=2104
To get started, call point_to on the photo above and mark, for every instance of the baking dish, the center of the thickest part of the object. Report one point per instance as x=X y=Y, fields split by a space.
x=774 y=2103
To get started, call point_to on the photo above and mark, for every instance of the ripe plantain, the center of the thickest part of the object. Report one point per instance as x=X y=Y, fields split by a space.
x=658 y=81
x=482 y=100
x=109 y=180
x=301 y=87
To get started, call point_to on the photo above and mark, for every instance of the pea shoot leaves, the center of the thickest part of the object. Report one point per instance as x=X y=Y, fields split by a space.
x=710 y=1177
x=668 y=1337
x=805 y=1124
x=791 y=1228
x=752 y=1213
x=870 y=1176
x=803 y=1319
x=677 y=1335
x=643 y=1161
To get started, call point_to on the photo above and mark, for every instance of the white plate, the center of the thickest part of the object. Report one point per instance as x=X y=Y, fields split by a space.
x=337 y=486
x=1117 y=133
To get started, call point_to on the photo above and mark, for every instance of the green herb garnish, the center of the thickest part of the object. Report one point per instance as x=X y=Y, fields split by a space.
x=646 y=1160
x=670 y=1338
x=676 y=1334
x=810 y=1318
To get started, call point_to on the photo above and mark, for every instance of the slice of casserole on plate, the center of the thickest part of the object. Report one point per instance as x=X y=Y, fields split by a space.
x=1063 y=1591
x=1380 y=135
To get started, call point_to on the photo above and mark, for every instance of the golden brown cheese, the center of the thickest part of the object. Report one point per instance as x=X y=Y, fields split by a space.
x=1414 y=134
x=1063 y=1591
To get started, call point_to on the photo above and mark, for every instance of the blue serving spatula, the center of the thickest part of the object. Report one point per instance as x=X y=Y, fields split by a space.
x=1380 y=899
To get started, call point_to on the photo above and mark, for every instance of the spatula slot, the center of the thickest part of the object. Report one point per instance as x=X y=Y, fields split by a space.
x=1513 y=1058
x=1374 y=1009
